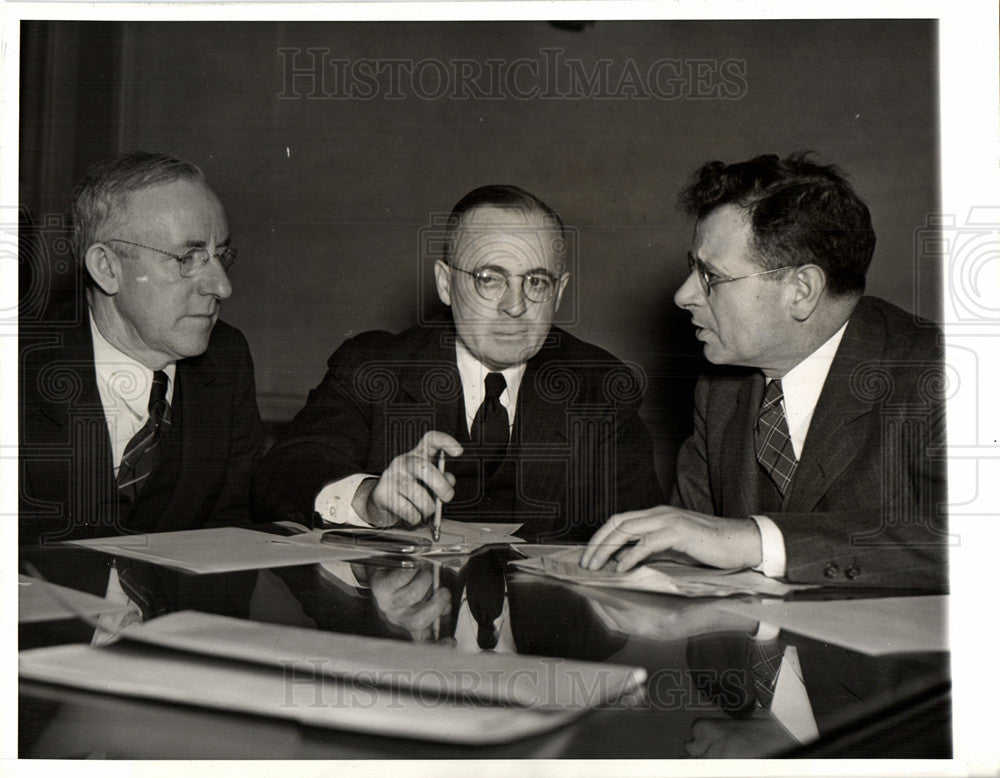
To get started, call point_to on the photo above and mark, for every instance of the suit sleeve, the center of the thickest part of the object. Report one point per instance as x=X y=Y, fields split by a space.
x=636 y=482
x=896 y=535
x=245 y=446
x=328 y=440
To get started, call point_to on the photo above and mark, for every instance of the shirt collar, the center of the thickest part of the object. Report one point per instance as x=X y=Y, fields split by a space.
x=802 y=385
x=473 y=374
x=121 y=380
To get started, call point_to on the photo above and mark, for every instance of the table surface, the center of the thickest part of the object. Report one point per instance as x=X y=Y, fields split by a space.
x=692 y=650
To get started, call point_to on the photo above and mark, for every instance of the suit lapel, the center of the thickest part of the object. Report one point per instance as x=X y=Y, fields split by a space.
x=193 y=421
x=834 y=437
x=428 y=377
x=738 y=461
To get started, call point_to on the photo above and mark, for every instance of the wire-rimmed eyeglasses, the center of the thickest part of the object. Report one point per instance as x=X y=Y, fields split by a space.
x=492 y=283
x=709 y=279
x=191 y=262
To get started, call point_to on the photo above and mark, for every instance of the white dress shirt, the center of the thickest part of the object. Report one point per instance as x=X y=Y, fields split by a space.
x=333 y=503
x=801 y=387
x=123 y=385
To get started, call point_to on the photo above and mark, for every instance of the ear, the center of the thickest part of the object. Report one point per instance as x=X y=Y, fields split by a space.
x=807 y=284
x=442 y=278
x=103 y=267
x=563 y=281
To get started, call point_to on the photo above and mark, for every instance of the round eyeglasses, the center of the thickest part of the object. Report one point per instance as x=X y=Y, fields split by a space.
x=492 y=283
x=709 y=279
x=191 y=262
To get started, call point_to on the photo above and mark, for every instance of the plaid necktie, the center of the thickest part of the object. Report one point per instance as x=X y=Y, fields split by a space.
x=774 y=445
x=143 y=450
x=764 y=658
x=491 y=427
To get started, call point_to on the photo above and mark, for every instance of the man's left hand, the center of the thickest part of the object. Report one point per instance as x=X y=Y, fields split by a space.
x=711 y=540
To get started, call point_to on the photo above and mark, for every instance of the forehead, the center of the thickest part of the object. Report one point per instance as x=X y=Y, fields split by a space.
x=723 y=238
x=180 y=209
x=508 y=238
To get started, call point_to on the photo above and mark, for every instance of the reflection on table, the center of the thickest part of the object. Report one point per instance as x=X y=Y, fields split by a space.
x=705 y=695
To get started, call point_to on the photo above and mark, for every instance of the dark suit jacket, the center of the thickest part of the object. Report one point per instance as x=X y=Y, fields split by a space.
x=866 y=503
x=67 y=483
x=579 y=451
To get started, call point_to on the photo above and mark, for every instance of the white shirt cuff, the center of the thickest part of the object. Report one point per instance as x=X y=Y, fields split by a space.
x=772 y=548
x=333 y=503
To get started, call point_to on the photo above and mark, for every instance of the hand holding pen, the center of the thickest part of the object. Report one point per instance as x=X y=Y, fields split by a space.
x=413 y=486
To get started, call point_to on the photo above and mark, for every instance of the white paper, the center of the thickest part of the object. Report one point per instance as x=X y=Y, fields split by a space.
x=535 y=682
x=44 y=601
x=658 y=577
x=218 y=550
x=134 y=671
x=872 y=626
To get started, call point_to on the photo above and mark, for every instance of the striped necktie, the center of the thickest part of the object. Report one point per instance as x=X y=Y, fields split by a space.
x=773 y=443
x=143 y=450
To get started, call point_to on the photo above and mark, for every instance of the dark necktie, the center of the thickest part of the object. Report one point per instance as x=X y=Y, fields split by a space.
x=143 y=450
x=491 y=427
x=773 y=443
x=484 y=589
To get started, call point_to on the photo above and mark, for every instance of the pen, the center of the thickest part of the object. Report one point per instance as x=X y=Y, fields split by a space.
x=436 y=586
x=436 y=527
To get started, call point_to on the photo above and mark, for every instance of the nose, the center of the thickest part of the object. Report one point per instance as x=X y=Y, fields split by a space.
x=690 y=292
x=513 y=302
x=213 y=280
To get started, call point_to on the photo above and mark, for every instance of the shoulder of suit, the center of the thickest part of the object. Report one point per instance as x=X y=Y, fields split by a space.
x=907 y=336
x=226 y=338
x=561 y=345
x=413 y=344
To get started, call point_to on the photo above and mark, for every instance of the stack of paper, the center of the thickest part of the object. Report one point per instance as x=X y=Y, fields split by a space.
x=219 y=550
x=341 y=681
x=660 y=577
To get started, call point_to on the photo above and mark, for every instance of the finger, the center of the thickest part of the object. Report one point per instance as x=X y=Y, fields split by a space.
x=611 y=526
x=597 y=540
x=430 y=611
x=612 y=542
x=647 y=545
x=400 y=507
x=434 y=441
x=437 y=483
x=400 y=496
x=414 y=590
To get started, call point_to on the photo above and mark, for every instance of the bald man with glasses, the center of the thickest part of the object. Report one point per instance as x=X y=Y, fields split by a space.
x=535 y=425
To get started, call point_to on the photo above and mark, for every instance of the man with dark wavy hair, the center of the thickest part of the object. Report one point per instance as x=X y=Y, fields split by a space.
x=140 y=416
x=538 y=427
x=817 y=453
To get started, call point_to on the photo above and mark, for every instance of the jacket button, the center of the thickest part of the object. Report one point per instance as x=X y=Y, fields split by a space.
x=831 y=570
x=852 y=572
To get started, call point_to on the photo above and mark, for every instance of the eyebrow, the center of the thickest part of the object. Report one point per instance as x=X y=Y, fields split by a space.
x=709 y=266
x=200 y=244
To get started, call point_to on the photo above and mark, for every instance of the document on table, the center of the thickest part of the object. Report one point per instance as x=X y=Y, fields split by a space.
x=44 y=601
x=877 y=626
x=457 y=537
x=345 y=681
x=219 y=550
x=659 y=577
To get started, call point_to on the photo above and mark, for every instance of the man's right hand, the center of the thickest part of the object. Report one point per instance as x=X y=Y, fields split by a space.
x=407 y=489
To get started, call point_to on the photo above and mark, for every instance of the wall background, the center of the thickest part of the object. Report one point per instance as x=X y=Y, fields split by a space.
x=328 y=195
